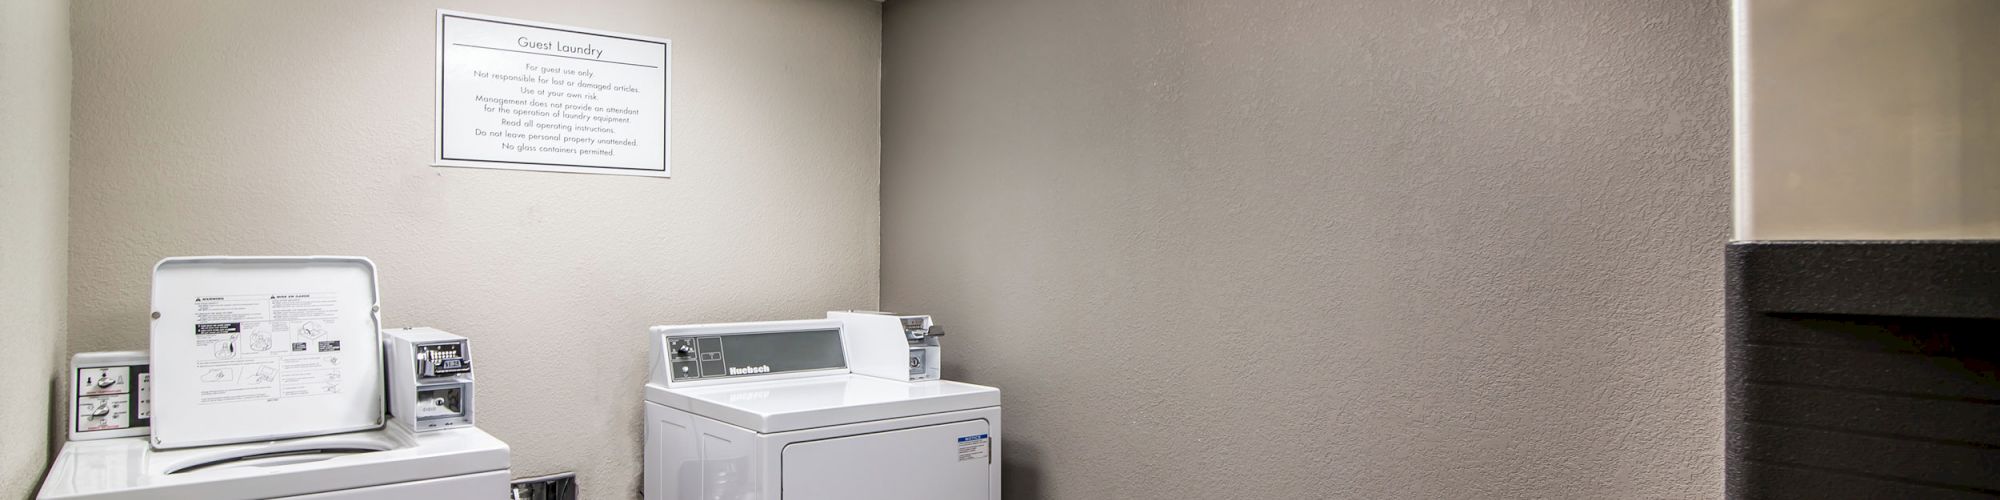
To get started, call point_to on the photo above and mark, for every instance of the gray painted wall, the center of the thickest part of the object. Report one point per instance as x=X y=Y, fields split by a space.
x=1439 y=249
x=34 y=232
x=260 y=128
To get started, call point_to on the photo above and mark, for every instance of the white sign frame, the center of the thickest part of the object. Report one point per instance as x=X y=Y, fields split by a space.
x=665 y=65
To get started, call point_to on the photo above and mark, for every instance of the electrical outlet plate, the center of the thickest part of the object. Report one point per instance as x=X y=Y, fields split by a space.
x=561 y=486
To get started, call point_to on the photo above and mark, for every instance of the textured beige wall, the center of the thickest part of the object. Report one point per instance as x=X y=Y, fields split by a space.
x=1438 y=249
x=34 y=231
x=250 y=128
x=1868 y=119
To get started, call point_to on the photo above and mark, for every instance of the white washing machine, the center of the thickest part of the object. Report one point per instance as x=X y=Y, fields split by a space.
x=264 y=380
x=769 y=411
x=390 y=462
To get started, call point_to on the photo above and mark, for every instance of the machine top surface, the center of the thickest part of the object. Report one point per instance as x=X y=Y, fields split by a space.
x=804 y=403
x=130 y=468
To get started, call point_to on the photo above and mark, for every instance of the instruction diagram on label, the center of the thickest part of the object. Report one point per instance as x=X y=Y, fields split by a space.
x=264 y=375
x=260 y=340
x=239 y=332
x=525 y=95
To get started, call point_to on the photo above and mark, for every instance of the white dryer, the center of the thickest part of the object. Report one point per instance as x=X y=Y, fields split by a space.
x=390 y=462
x=769 y=411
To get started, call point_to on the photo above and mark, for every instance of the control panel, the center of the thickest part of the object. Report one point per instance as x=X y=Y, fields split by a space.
x=725 y=351
x=722 y=356
x=430 y=379
x=111 y=395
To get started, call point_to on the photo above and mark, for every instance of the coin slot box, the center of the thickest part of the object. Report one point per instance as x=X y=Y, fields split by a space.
x=430 y=379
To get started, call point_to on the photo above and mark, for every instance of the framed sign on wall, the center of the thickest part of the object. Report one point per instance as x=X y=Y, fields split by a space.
x=524 y=95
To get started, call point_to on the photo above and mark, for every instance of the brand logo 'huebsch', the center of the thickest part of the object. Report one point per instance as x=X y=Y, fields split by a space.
x=748 y=370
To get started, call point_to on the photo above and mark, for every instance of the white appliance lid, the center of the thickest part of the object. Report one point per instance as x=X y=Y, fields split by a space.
x=259 y=348
x=130 y=468
x=805 y=403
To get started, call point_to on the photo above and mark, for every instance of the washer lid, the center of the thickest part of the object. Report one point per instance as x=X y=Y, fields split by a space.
x=130 y=468
x=789 y=405
x=261 y=348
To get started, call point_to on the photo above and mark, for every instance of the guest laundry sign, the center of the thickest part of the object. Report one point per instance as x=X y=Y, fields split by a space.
x=524 y=95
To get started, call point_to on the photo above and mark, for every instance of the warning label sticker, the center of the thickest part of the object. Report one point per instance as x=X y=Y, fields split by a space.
x=975 y=447
x=255 y=347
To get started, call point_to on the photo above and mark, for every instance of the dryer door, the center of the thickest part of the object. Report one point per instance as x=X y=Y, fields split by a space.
x=937 y=462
